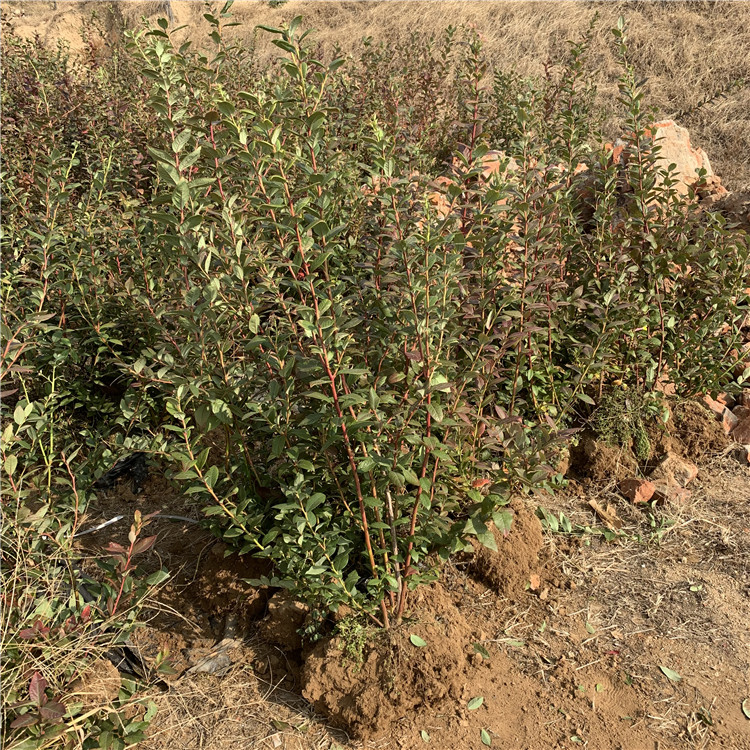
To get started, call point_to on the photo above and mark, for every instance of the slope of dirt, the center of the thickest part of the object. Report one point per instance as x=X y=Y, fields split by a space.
x=685 y=51
x=567 y=652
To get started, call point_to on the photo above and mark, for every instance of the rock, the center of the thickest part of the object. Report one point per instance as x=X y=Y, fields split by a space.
x=741 y=433
x=721 y=411
x=676 y=470
x=677 y=149
x=637 y=490
x=285 y=618
x=667 y=491
x=727 y=399
x=715 y=406
x=741 y=412
x=742 y=454
x=490 y=163
x=728 y=420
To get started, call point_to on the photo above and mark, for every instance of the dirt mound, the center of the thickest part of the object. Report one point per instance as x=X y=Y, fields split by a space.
x=697 y=430
x=601 y=462
x=395 y=676
x=507 y=571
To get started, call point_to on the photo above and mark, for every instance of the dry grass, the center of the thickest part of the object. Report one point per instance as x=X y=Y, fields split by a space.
x=238 y=709
x=686 y=50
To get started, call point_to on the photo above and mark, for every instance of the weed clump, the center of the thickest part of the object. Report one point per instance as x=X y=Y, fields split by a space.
x=622 y=417
x=354 y=636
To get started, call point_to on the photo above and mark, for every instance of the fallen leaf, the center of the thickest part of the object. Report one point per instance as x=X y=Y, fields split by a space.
x=670 y=674
x=485 y=737
x=475 y=703
x=480 y=649
x=746 y=707
x=425 y=736
x=610 y=518
x=479 y=483
x=534 y=582
x=417 y=641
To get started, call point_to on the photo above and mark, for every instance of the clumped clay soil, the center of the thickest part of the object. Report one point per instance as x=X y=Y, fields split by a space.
x=570 y=640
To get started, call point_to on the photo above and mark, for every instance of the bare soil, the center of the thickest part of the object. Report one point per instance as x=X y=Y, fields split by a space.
x=562 y=635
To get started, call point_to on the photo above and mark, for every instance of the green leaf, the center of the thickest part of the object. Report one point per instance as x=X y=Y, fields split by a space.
x=480 y=649
x=503 y=520
x=156 y=578
x=436 y=412
x=484 y=735
x=670 y=674
x=475 y=703
x=425 y=737
x=417 y=641
x=211 y=476
x=746 y=707
x=10 y=464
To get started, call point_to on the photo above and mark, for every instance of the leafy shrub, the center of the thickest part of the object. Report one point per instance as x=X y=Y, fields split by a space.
x=386 y=352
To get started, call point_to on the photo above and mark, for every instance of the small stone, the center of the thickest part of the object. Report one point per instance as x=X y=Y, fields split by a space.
x=544 y=594
x=670 y=492
x=637 y=490
x=741 y=412
x=741 y=433
x=727 y=399
x=742 y=454
x=729 y=420
x=260 y=666
x=715 y=406
x=677 y=470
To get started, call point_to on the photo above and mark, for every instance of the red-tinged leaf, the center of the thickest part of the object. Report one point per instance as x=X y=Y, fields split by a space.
x=414 y=356
x=26 y=720
x=28 y=634
x=37 y=686
x=86 y=613
x=144 y=544
x=479 y=483
x=115 y=548
x=53 y=711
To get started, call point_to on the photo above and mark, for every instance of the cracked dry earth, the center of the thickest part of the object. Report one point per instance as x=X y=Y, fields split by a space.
x=564 y=636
